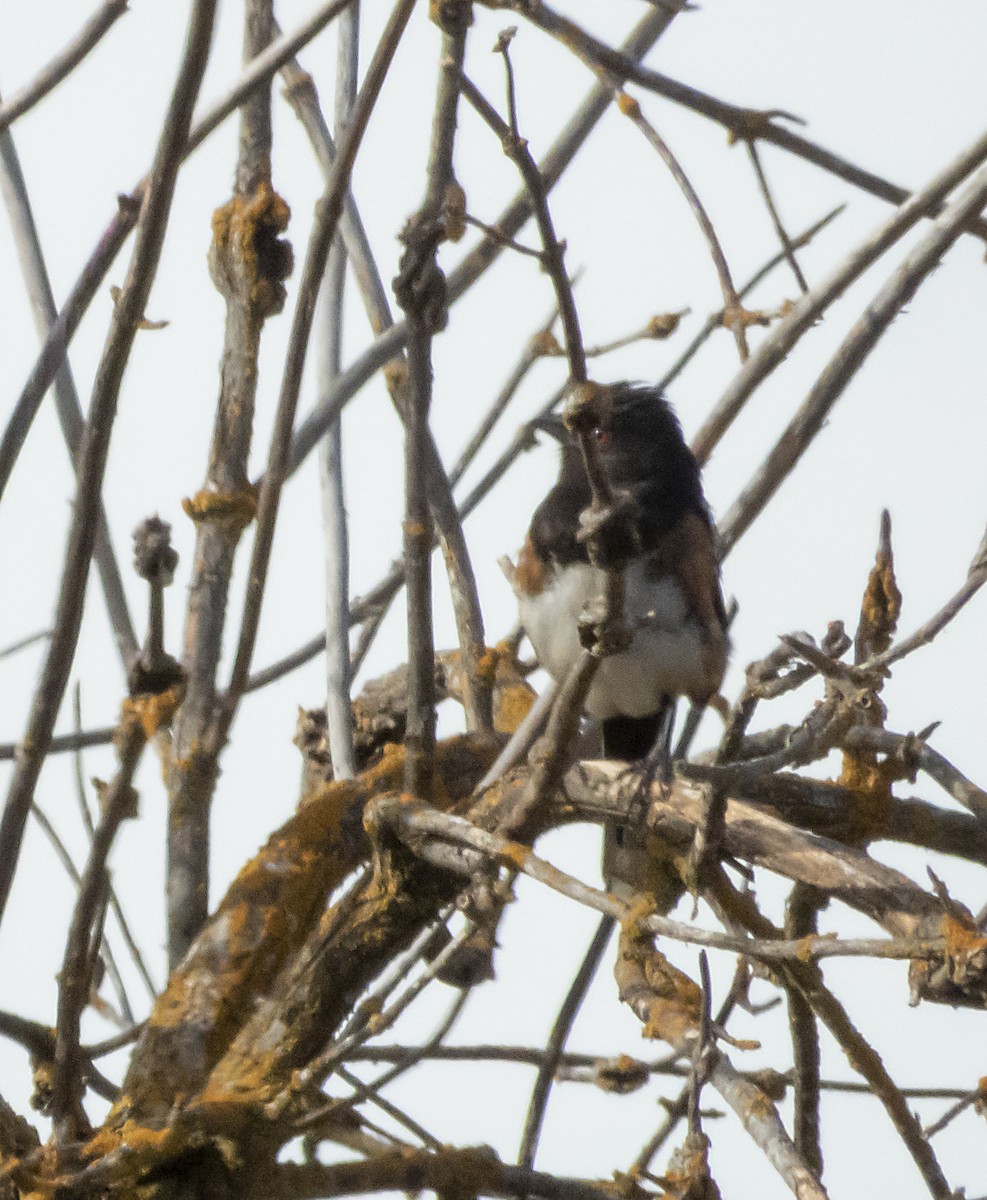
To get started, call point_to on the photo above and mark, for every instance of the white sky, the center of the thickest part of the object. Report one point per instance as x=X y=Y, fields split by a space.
x=895 y=88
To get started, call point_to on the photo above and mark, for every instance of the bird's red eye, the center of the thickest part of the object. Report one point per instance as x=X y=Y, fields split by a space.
x=601 y=436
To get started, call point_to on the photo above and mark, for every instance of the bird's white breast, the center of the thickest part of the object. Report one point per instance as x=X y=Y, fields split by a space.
x=665 y=657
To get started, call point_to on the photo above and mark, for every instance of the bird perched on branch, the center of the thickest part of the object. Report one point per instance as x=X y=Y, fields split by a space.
x=673 y=606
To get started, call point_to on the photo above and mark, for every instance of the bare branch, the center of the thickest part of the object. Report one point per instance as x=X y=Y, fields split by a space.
x=328 y=211
x=63 y=63
x=248 y=262
x=899 y=289
x=557 y=1039
x=74 y=978
x=735 y=318
x=67 y=403
x=335 y=529
x=128 y=313
x=774 y=348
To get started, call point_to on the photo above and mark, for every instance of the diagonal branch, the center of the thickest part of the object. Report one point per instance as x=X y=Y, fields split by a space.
x=127 y=314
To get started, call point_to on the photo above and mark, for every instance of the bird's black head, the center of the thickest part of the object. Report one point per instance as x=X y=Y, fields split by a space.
x=639 y=436
x=642 y=451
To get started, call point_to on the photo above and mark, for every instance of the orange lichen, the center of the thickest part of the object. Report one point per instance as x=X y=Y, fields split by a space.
x=546 y=344
x=516 y=855
x=962 y=939
x=628 y=105
x=870 y=781
x=237 y=508
x=513 y=695
x=664 y=325
x=761 y=1106
x=454 y=212
x=639 y=910
x=736 y=316
x=247 y=254
x=154 y=711
x=806 y=945
x=881 y=605
x=511 y=705
x=270 y=908
x=136 y=1137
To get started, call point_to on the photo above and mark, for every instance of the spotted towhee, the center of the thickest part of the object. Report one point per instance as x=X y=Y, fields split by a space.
x=673 y=603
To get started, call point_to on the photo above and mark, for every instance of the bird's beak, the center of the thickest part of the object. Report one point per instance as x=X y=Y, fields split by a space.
x=552 y=424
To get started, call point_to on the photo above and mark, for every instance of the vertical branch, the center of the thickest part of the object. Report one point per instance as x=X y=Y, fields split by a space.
x=800 y=921
x=66 y=397
x=85 y=932
x=558 y=1038
x=466 y=605
x=248 y=262
x=119 y=228
x=127 y=314
x=327 y=216
x=420 y=289
x=334 y=526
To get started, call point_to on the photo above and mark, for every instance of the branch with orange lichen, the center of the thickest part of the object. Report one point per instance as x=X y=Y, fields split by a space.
x=669 y=1005
x=380 y=712
x=262 y=924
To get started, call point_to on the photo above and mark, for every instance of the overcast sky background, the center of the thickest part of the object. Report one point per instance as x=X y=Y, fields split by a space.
x=897 y=89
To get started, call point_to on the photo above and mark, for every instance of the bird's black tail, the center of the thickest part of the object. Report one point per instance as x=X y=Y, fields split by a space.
x=629 y=739
x=645 y=741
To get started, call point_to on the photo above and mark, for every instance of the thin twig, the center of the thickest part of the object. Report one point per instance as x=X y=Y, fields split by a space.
x=106 y=950
x=787 y=247
x=976 y=1096
x=538 y=1104
x=552 y=249
x=67 y=405
x=127 y=315
x=65 y=743
x=744 y=124
x=22 y=643
x=74 y=977
x=63 y=63
x=362 y=1091
x=582 y=1068
x=775 y=346
x=335 y=528
x=853 y=351
x=734 y=316
x=715 y=320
